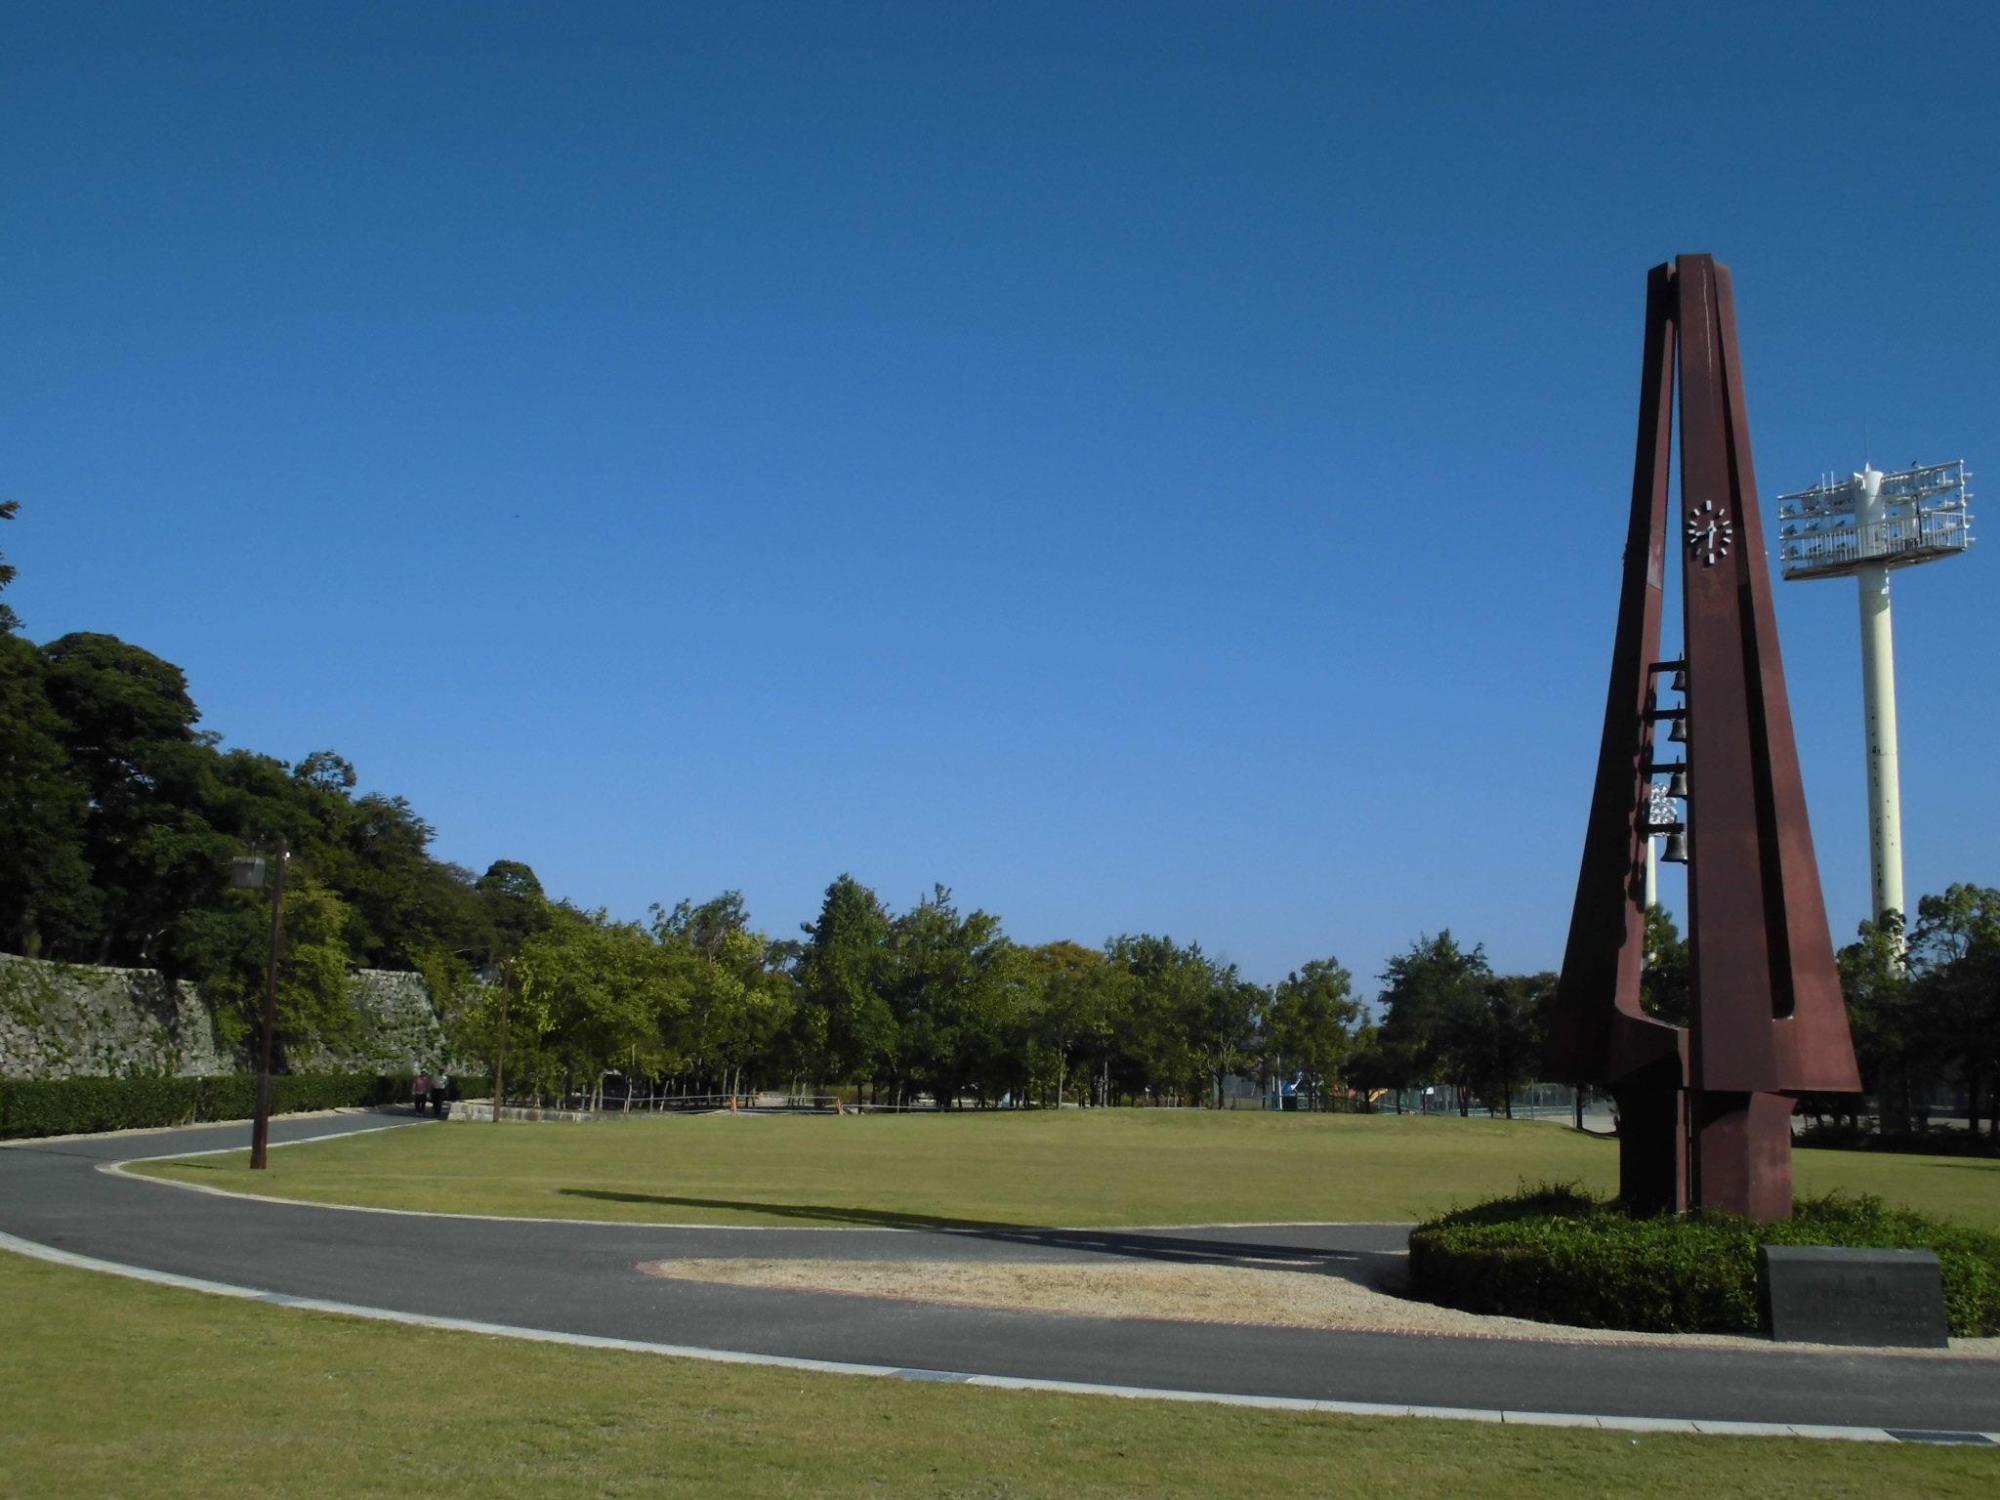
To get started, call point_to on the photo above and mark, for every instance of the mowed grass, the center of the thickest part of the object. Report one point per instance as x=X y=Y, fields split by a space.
x=112 y=1387
x=1095 y=1167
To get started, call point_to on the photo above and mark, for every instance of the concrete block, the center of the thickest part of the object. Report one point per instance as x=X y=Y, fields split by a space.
x=1819 y=1294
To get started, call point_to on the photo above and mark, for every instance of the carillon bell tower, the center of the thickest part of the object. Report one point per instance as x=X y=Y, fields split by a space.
x=1705 y=1112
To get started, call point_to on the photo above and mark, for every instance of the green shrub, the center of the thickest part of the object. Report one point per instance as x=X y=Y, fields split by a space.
x=76 y=1106
x=1558 y=1255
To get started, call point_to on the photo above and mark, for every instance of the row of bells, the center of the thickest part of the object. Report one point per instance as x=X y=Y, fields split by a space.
x=1676 y=850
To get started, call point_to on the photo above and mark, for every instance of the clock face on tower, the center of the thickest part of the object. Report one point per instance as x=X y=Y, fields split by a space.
x=1709 y=532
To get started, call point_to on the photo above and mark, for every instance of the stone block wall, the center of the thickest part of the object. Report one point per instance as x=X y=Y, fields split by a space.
x=70 y=1020
x=75 y=1021
x=399 y=1028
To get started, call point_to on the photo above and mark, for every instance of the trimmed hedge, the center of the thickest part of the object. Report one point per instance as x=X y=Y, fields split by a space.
x=76 y=1106
x=1561 y=1256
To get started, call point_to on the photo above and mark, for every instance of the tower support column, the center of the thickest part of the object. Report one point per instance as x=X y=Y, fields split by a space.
x=1878 y=704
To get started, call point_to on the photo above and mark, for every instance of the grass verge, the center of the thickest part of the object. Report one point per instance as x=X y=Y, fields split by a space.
x=114 y=1387
x=1092 y=1167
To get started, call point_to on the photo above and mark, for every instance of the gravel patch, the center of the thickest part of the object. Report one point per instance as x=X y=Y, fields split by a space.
x=1200 y=1294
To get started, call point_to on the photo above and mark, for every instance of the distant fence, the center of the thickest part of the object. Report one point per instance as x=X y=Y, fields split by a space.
x=1533 y=1101
x=763 y=1102
x=693 y=1104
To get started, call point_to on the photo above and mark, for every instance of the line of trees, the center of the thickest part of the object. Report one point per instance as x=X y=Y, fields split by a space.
x=931 y=1004
x=937 y=1004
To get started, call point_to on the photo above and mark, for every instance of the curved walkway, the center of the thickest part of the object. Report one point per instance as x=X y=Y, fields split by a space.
x=574 y=1280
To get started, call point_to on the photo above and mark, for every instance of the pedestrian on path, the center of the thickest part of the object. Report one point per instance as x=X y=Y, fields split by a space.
x=420 y=1088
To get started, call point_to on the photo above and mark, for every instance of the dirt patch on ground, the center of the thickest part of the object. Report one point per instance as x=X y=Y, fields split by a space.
x=1363 y=1299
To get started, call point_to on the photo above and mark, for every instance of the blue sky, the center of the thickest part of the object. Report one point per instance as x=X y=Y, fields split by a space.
x=1148 y=467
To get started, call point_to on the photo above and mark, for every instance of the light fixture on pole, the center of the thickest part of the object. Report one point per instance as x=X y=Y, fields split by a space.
x=1866 y=525
x=250 y=873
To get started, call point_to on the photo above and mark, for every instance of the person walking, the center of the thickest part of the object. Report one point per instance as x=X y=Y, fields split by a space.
x=420 y=1089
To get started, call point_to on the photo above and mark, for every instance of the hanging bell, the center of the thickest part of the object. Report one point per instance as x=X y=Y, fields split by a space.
x=1680 y=729
x=1676 y=852
x=1680 y=683
x=1677 y=785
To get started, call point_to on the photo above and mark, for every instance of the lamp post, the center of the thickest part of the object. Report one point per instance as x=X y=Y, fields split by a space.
x=251 y=873
x=500 y=1043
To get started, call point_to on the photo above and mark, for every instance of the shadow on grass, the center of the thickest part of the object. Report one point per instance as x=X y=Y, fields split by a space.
x=1370 y=1264
x=867 y=1218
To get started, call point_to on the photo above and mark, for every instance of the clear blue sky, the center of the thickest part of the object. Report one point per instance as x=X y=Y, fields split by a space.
x=1149 y=467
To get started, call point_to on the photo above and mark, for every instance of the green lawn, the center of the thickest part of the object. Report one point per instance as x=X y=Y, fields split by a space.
x=1074 y=1168
x=111 y=1387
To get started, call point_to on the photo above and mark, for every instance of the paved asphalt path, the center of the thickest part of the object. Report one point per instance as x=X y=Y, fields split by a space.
x=581 y=1278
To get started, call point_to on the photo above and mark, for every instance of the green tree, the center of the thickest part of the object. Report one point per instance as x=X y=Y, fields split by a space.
x=154 y=856
x=407 y=903
x=1188 y=1021
x=1311 y=1027
x=1434 y=1011
x=947 y=983
x=1666 y=982
x=738 y=1003
x=1079 y=1003
x=1955 y=963
x=843 y=1022
x=1507 y=1043
x=514 y=904
x=9 y=621
x=46 y=895
x=1890 y=1042
x=229 y=943
x=1375 y=1066
x=603 y=997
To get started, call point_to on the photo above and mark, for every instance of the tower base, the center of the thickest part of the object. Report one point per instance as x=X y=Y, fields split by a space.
x=1743 y=1154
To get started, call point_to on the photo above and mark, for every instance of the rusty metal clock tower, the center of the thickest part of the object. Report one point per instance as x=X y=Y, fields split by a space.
x=1705 y=1112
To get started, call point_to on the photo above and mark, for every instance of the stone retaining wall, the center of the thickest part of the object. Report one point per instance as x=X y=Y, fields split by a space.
x=399 y=1028
x=78 y=1021
x=71 y=1020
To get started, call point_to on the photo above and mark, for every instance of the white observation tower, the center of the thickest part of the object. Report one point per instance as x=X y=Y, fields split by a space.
x=1865 y=525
